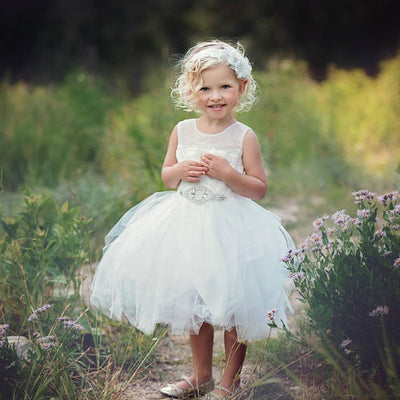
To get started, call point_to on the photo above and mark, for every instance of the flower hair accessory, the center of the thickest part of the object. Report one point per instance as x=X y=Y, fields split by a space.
x=222 y=55
x=207 y=55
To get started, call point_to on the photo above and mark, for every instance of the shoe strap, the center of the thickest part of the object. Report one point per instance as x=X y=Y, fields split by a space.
x=187 y=379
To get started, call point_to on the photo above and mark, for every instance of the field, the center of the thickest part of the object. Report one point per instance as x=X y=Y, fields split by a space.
x=75 y=155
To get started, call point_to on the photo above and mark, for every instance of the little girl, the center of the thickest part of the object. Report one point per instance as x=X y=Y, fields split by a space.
x=204 y=255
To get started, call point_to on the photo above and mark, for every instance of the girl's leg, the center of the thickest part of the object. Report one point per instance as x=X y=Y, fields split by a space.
x=235 y=353
x=202 y=350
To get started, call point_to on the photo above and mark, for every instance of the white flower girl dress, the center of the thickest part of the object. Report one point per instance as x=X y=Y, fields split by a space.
x=199 y=254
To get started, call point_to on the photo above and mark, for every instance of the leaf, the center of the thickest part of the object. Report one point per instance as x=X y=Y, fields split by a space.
x=64 y=208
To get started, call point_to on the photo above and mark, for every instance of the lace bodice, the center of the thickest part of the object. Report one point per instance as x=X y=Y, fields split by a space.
x=192 y=144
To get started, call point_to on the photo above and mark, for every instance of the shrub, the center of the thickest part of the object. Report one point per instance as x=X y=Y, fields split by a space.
x=41 y=249
x=348 y=272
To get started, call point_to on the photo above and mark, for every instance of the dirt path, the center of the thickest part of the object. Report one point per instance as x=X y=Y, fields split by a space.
x=174 y=360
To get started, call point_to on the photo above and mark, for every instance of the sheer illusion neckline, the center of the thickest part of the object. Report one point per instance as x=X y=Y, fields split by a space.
x=212 y=134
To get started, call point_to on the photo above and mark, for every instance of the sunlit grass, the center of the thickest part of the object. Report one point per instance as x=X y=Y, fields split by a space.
x=79 y=142
x=341 y=132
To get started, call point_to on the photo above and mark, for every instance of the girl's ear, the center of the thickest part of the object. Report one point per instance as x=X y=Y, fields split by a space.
x=242 y=86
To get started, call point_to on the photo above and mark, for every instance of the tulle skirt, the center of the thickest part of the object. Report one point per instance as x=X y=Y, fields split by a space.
x=169 y=260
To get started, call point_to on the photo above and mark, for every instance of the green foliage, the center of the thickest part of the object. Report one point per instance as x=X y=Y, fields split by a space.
x=67 y=360
x=134 y=147
x=51 y=133
x=298 y=152
x=126 y=345
x=363 y=115
x=349 y=275
x=313 y=135
x=41 y=249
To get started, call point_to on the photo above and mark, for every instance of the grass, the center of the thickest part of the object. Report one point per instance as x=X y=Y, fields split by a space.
x=306 y=367
x=81 y=142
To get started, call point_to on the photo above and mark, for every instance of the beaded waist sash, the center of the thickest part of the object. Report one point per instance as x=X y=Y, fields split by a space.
x=199 y=194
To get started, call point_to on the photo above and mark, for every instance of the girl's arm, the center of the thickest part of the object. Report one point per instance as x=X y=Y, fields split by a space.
x=253 y=183
x=173 y=172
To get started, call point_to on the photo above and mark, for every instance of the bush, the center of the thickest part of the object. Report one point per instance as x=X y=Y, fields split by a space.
x=348 y=272
x=41 y=249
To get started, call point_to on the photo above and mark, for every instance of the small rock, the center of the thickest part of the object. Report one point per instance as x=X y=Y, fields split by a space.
x=22 y=345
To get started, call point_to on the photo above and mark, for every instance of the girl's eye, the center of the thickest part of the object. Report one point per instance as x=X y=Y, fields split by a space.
x=203 y=89
x=225 y=86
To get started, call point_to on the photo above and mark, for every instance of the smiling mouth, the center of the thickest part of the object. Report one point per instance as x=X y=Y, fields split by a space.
x=216 y=106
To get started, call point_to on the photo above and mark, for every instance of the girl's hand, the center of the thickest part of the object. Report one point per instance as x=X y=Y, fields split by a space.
x=191 y=171
x=173 y=172
x=217 y=167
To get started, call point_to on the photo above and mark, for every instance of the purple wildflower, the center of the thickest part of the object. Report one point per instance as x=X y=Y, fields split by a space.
x=44 y=308
x=302 y=248
x=315 y=238
x=332 y=231
x=356 y=222
x=395 y=211
x=47 y=345
x=341 y=218
x=295 y=276
x=364 y=213
x=69 y=324
x=45 y=339
x=363 y=195
x=380 y=233
x=45 y=342
x=3 y=328
x=389 y=197
x=288 y=256
x=379 y=311
x=39 y=310
x=318 y=223
x=344 y=343
x=32 y=317
x=271 y=315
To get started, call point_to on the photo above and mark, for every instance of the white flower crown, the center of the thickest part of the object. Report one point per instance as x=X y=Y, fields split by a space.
x=229 y=56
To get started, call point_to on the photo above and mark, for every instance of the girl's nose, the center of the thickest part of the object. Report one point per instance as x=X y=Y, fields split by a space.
x=215 y=95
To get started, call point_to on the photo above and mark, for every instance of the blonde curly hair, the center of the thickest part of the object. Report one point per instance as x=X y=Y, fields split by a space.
x=206 y=55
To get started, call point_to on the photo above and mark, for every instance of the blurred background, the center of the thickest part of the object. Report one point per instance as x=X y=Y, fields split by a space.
x=85 y=112
x=85 y=117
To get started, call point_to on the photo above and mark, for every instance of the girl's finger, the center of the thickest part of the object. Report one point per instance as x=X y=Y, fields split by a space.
x=196 y=173
x=195 y=164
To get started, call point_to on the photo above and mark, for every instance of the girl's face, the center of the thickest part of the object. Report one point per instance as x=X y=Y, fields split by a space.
x=219 y=93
